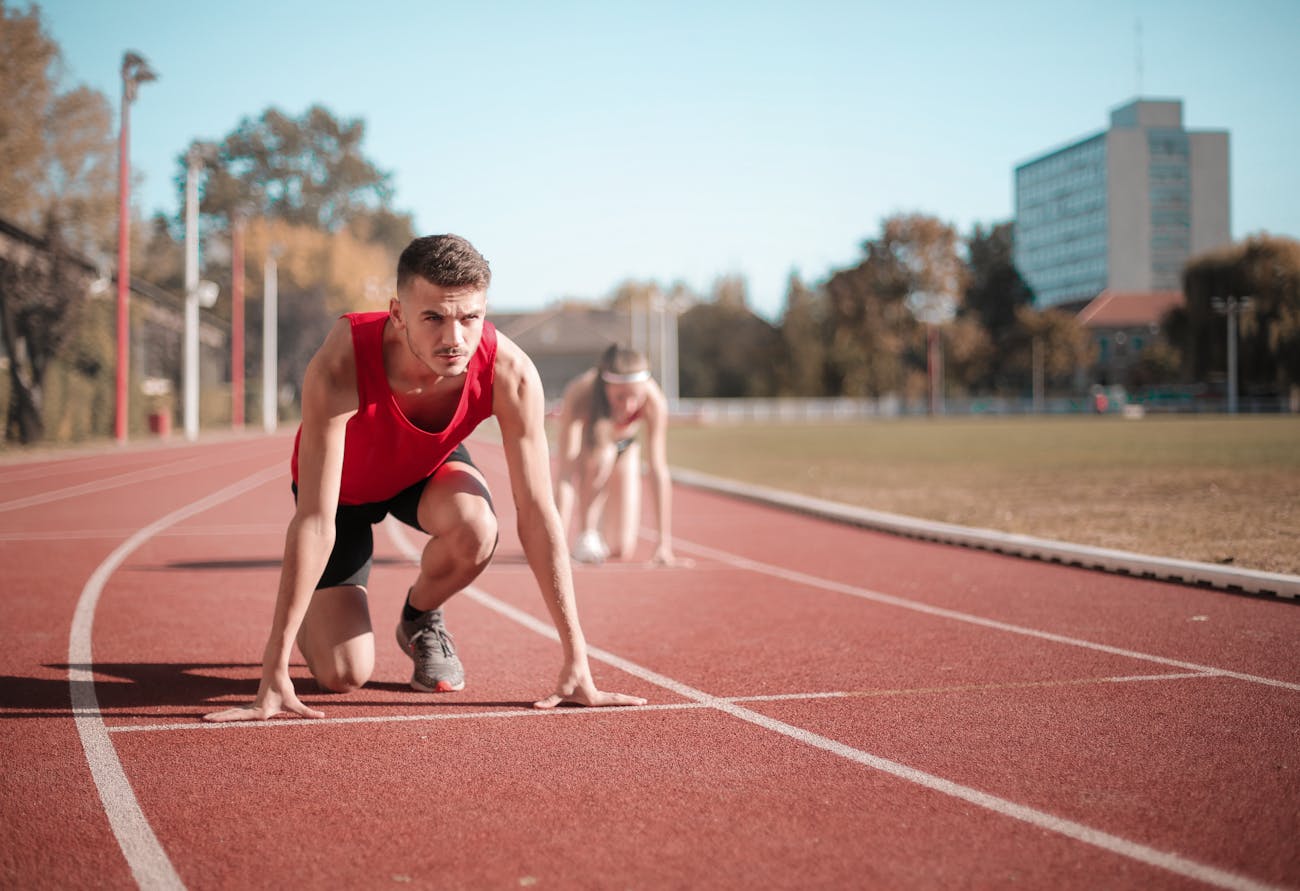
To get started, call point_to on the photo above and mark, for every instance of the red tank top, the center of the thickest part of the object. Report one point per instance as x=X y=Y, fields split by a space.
x=384 y=452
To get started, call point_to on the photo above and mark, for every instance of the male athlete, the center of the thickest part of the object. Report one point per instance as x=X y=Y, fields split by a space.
x=387 y=402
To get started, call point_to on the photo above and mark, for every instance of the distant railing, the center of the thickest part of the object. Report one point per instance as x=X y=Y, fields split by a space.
x=739 y=411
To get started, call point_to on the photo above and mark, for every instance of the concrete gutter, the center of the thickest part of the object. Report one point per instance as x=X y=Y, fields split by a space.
x=1243 y=581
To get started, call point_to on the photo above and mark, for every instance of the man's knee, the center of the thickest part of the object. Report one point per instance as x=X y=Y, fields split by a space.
x=474 y=539
x=346 y=680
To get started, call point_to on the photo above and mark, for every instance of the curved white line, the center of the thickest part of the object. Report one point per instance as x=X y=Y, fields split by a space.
x=115 y=482
x=144 y=855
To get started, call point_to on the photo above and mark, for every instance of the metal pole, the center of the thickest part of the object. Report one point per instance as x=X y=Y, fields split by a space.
x=1233 y=306
x=661 y=306
x=1038 y=375
x=932 y=356
x=237 y=324
x=135 y=71
x=123 y=265
x=636 y=324
x=270 y=329
x=671 y=367
x=192 y=297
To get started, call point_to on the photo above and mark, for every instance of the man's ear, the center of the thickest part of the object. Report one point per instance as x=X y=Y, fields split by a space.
x=395 y=313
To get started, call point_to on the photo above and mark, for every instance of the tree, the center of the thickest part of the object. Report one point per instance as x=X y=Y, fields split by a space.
x=37 y=303
x=874 y=338
x=307 y=171
x=1266 y=269
x=27 y=57
x=56 y=176
x=802 y=370
x=1063 y=344
x=994 y=294
x=319 y=276
x=725 y=349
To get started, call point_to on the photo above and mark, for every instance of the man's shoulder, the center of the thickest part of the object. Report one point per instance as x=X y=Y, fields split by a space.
x=336 y=361
x=511 y=362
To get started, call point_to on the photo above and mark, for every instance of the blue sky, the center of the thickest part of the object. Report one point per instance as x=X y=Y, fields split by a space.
x=578 y=144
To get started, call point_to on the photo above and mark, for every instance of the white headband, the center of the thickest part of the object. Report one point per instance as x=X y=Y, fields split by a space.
x=634 y=377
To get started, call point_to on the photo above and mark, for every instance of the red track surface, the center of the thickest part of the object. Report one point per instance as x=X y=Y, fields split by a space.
x=829 y=707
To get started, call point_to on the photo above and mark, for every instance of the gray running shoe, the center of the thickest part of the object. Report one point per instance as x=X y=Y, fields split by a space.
x=429 y=644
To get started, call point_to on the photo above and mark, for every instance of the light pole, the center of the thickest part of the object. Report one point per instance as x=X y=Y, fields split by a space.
x=1231 y=307
x=135 y=71
x=933 y=310
x=270 y=332
x=197 y=293
x=237 y=322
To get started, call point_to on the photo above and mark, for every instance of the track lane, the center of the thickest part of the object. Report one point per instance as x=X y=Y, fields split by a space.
x=227 y=594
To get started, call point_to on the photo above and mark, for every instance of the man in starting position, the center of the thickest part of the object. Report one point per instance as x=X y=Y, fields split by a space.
x=387 y=402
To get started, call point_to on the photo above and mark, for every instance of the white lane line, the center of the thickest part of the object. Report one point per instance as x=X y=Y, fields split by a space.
x=1078 y=831
x=202 y=463
x=812 y=581
x=524 y=711
x=144 y=855
x=252 y=529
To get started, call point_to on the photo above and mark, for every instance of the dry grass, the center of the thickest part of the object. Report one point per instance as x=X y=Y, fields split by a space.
x=1214 y=489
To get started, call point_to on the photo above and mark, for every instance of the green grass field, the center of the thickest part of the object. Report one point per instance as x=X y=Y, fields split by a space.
x=1214 y=489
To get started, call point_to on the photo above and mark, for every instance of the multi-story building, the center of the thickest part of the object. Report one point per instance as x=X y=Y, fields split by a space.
x=1122 y=209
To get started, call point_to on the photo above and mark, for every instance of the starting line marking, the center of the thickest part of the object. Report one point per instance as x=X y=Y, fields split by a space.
x=526 y=712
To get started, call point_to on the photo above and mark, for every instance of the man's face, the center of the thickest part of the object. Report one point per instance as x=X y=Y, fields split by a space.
x=442 y=325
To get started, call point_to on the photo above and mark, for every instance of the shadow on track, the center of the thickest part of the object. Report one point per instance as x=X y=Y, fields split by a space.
x=123 y=689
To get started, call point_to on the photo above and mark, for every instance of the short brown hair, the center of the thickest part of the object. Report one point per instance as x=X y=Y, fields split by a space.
x=446 y=260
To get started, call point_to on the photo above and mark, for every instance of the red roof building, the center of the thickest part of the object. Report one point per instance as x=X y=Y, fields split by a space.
x=1123 y=324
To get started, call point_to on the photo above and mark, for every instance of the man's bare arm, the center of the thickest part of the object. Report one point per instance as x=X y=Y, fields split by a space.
x=329 y=399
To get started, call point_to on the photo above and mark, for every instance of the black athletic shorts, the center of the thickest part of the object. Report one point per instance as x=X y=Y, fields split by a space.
x=354 y=540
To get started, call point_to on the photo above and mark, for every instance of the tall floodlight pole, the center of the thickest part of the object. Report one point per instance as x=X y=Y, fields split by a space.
x=672 y=364
x=237 y=323
x=1231 y=307
x=270 y=331
x=192 y=165
x=660 y=308
x=932 y=310
x=135 y=71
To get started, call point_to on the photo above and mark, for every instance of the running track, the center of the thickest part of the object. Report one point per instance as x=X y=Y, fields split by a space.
x=829 y=708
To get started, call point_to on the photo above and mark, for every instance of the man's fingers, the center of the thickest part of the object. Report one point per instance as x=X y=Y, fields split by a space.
x=253 y=713
x=306 y=711
x=596 y=701
x=617 y=699
x=234 y=714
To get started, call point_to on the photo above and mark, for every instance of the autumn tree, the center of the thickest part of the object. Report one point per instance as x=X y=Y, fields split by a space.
x=1266 y=269
x=304 y=188
x=1053 y=338
x=725 y=350
x=38 y=302
x=995 y=291
x=319 y=276
x=802 y=366
x=27 y=57
x=875 y=341
x=307 y=171
x=56 y=178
